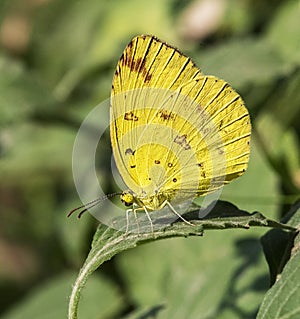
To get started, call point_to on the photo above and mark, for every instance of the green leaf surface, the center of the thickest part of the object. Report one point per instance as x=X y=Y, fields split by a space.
x=284 y=31
x=108 y=242
x=49 y=300
x=219 y=276
x=21 y=94
x=277 y=245
x=241 y=62
x=34 y=147
x=89 y=48
x=282 y=300
x=277 y=130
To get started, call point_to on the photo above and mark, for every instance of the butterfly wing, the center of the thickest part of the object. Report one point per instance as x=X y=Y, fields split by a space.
x=174 y=130
x=216 y=129
x=146 y=63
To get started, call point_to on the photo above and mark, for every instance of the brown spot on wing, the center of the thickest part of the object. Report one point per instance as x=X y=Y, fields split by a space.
x=181 y=140
x=129 y=116
x=135 y=64
x=166 y=115
x=220 y=150
x=147 y=77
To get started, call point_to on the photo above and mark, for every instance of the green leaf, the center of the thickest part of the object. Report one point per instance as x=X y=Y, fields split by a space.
x=277 y=246
x=220 y=276
x=242 y=61
x=102 y=31
x=277 y=131
x=49 y=300
x=146 y=312
x=21 y=94
x=108 y=242
x=284 y=31
x=282 y=300
x=28 y=148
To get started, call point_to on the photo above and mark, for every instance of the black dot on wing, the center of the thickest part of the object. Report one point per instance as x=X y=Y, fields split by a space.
x=174 y=180
x=157 y=161
x=170 y=164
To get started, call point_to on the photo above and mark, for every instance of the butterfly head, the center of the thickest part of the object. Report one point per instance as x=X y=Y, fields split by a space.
x=127 y=198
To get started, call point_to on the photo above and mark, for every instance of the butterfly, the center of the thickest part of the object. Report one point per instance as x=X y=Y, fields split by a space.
x=175 y=132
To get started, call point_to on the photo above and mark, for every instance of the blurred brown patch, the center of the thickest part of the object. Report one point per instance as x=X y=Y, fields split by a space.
x=15 y=33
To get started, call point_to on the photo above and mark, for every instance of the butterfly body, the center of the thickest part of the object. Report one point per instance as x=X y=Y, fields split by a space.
x=150 y=202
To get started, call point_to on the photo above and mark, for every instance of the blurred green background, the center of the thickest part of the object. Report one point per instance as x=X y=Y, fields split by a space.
x=57 y=59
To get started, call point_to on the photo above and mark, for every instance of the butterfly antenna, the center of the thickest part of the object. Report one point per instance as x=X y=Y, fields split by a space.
x=93 y=203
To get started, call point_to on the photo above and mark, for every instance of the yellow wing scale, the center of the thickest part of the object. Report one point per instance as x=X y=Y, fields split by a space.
x=174 y=131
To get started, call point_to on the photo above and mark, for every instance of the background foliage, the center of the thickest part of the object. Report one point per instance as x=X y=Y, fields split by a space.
x=57 y=60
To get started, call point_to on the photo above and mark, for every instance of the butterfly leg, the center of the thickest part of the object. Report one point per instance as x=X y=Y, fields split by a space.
x=127 y=221
x=150 y=220
x=176 y=213
x=136 y=219
x=132 y=210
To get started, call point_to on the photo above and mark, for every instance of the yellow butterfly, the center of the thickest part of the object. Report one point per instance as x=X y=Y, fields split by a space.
x=175 y=133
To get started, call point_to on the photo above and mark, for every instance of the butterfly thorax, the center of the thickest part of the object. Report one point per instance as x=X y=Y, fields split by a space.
x=150 y=202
